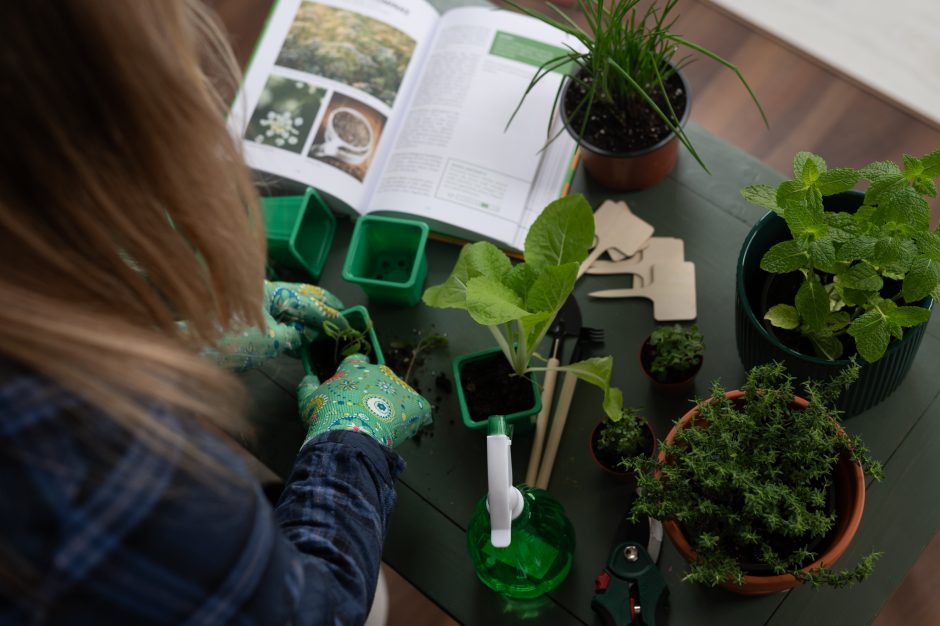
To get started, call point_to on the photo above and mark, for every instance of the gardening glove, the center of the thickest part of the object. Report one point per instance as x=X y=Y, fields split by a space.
x=292 y=312
x=363 y=397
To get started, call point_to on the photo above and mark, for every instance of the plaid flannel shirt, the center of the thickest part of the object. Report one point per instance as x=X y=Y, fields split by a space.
x=98 y=528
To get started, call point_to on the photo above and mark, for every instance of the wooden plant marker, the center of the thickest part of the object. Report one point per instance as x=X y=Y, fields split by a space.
x=672 y=291
x=659 y=250
x=616 y=226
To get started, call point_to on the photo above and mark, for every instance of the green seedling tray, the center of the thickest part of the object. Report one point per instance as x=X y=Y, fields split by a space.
x=387 y=259
x=520 y=420
x=300 y=231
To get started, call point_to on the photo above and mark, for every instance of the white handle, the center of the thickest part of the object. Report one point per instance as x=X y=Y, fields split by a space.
x=548 y=391
x=503 y=500
x=558 y=425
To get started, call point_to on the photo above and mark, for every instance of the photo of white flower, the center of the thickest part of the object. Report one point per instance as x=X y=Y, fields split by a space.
x=285 y=113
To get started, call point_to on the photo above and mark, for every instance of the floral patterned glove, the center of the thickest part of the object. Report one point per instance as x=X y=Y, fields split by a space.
x=293 y=311
x=364 y=397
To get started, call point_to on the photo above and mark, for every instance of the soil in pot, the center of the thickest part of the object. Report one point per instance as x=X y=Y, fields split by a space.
x=326 y=355
x=618 y=129
x=491 y=387
x=433 y=385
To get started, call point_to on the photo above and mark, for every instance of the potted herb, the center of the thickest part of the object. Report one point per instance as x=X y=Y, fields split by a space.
x=671 y=356
x=761 y=490
x=518 y=303
x=625 y=99
x=830 y=273
x=613 y=440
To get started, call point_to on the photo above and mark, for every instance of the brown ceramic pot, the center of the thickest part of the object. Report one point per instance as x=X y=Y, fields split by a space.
x=849 y=482
x=639 y=169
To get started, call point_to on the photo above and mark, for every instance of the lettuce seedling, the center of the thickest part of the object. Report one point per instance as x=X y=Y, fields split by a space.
x=518 y=303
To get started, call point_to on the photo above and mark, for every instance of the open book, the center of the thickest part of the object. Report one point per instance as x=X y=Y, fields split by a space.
x=386 y=105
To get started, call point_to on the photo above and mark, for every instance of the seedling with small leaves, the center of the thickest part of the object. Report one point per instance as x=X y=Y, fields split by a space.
x=675 y=350
x=622 y=437
x=846 y=258
x=348 y=340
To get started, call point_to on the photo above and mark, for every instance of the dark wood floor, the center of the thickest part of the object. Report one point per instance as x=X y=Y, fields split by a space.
x=810 y=107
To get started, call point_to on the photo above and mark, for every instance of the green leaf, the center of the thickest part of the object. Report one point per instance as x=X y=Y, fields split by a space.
x=784 y=257
x=826 y=345
x=837 y=320
x=842 y=226
x=551 y=288
x=812 y=301
x=922 y=279
x=802 y=159
x=823 y=255
x=810 y=173
x=856 y=249
x=520 y=279
x=597 y=371
x=792 y=194
x=871 y=334
x=862 y=277
x=803 y=218
x=908 y=316
x=491 y=302
x=931 y=163
x=562 y=233
x=880 y=171
x=763 y=196
x=837 y=180
x=929 y=244
x=783 y=316
x=478 y=259
x=905 y=206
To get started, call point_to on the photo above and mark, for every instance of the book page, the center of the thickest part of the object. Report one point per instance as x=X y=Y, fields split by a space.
x=455 y=162
x=318 y=101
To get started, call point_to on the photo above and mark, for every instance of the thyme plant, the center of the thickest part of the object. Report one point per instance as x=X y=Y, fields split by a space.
x=749 y=481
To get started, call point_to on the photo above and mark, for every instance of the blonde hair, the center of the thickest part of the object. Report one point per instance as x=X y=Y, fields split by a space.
x=125 y=206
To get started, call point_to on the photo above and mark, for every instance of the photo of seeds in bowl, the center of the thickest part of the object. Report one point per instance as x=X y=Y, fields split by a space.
x=347 y=136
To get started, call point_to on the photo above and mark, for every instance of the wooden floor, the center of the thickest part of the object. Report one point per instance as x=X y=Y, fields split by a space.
x=810 y=107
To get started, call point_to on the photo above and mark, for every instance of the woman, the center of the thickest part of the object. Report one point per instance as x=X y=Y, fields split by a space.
x=129 y=242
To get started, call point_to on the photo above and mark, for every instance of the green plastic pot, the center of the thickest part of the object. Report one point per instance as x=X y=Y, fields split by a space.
x=358 y=317
x=300 y=231
x=756 y=345
x=520 y=420
x=387 y=259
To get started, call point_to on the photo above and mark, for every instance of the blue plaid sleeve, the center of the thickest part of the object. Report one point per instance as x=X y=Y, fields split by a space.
x=98 y=528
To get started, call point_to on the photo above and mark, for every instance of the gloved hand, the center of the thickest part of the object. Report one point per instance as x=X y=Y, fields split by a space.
x=293 y=311
x=364 y=397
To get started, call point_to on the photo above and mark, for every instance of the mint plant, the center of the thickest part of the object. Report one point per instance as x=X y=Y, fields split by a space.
x=675 y=350
x=865 y=272
x=748 y=480
x=518 y=303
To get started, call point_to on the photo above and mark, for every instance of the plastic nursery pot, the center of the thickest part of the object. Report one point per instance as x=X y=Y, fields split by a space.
x=757 y=344
x=299 y=231
x=620 y=475
x=679 y=388
x=386 y=258
x=849 y=481
x=492 y=360
x=359 y=319
x=633 y=170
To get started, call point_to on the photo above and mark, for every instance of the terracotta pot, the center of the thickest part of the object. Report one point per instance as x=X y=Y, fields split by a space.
x=678 y=388
x=619 y=475
x=849 y=482
x=635 y=170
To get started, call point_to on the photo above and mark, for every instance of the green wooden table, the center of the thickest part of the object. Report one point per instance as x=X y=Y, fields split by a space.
x=446 y=471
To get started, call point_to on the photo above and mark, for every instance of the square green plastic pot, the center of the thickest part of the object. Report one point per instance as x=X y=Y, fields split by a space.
x=358 y=317
x=520 y=420
x=386 y=258
x=300 y=231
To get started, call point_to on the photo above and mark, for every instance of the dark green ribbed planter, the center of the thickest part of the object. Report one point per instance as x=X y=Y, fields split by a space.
x=756 y=345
